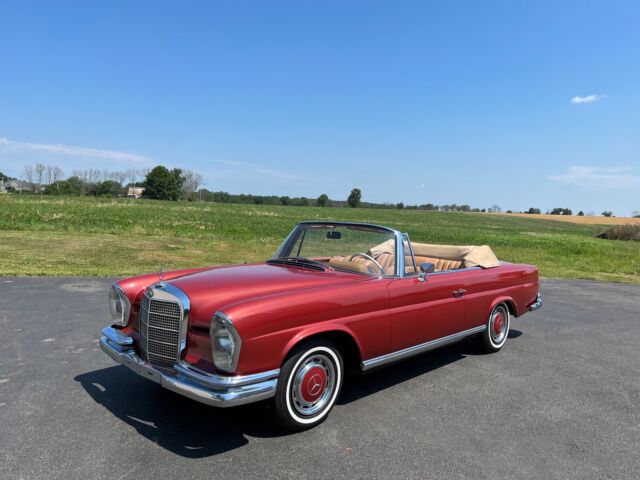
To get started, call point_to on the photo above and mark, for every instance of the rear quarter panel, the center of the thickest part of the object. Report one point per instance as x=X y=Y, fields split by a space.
x=516 y=284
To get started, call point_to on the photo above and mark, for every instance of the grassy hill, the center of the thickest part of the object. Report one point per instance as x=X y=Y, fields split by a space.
x=89 y=236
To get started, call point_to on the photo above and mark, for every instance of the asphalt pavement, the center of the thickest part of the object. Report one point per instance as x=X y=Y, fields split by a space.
x=561 y=400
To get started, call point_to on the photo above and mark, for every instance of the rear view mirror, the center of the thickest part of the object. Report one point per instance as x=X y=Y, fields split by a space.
x=334 y=235
x=427 y=267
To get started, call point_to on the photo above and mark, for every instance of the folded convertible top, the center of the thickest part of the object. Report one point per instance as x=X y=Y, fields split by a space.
x=469 y=255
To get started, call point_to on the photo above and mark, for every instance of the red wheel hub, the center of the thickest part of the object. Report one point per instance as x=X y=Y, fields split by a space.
x=313 y=384
x=498 y=323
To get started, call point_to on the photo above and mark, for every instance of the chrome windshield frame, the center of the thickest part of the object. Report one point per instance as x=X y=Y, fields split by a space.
x=287 y=244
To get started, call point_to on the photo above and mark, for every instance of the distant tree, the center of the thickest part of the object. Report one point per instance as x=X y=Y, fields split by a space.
x=322 y=200
x=39 y=170
x=108 y=188
x=495 y=209
x=119 y=177
x=533 y=211
x=484 y=210
x=400 y=206
x=131 y=176
x=6 y=178
x=192 y=180
x=354 y=198
x=561 y=211
x=285 y=200
x=163 y=184
x=89 y=178
x=509 y=211
x=635 y=214
x=28 y=174
x=607 y=213
x=221 y=197
x=581 y=213
x=70 y=186
x=52 y=174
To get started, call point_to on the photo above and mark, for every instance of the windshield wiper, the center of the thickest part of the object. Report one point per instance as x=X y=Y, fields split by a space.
x=299 y=262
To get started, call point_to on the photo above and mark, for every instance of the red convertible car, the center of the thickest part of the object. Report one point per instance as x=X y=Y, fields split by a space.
x=335 y=298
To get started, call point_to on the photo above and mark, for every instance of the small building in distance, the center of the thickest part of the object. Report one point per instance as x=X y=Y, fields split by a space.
x=15 y=186
x=135 y=192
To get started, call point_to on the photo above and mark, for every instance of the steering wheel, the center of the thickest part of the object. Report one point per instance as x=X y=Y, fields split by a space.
x=368 y=257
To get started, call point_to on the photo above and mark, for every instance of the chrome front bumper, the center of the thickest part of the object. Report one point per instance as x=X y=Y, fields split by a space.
x=215 y=390
x=537 y=303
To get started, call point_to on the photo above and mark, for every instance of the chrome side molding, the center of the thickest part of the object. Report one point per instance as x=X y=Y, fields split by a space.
x=417 y=349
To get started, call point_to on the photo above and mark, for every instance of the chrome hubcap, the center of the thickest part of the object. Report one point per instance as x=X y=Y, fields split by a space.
x=499 y=325
x=313 y=385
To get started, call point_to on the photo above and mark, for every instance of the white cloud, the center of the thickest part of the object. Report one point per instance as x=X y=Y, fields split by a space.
x=254 y=168
x=577 y=100
x=73 y=151
x=422 y=186
x=599 y=178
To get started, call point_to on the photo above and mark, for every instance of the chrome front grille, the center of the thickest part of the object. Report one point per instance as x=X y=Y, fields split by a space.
x=162 y=326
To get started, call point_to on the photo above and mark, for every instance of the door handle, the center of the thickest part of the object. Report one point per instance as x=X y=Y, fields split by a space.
x=459 y=293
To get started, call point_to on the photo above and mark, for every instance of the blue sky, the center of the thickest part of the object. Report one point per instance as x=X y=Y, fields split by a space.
x=440 y=102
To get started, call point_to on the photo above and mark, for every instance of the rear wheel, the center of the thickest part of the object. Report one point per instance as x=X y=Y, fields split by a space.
x=497 y=331
x=308 y=385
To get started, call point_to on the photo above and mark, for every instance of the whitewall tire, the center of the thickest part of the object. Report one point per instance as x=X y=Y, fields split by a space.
x=308 y=386
x=497 y=331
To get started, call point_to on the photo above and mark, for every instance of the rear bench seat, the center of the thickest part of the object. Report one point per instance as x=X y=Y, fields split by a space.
x=387 y=262
x=441 y=264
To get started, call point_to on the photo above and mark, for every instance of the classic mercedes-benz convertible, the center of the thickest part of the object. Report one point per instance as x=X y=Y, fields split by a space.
x=335 y=298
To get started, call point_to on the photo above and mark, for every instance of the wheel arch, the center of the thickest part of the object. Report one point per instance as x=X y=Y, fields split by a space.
x=508 y=301
x=343 y=339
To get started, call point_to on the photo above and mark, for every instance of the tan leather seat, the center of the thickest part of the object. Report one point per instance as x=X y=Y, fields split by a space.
x=388 y=263
x=441 y=264
x=353 y=265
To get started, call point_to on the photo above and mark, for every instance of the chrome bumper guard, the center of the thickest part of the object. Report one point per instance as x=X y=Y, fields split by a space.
x=537 y=303
x=215 y=390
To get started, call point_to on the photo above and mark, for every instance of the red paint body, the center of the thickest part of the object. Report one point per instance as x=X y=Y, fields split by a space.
x=274 y=307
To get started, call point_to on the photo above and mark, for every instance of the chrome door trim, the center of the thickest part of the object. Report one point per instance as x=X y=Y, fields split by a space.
x=399 y=254
x=417 y=349
x=457 y=270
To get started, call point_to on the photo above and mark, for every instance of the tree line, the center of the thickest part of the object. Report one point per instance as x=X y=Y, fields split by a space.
x=161 y=183
x=49 y=180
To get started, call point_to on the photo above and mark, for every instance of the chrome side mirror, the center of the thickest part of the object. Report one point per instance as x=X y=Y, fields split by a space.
x=427 y=267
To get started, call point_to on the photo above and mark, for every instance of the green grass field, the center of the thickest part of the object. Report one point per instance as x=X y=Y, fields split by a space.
x=88 y=236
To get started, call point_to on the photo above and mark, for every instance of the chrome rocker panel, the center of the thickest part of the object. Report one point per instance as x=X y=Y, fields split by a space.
x=214 y=390
x=376 y=362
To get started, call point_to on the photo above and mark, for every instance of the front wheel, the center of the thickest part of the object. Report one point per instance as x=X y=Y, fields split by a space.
x=497 y=329
x=308 y=385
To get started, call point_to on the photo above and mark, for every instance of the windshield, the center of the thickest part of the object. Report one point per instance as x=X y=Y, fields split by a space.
x=357 y=248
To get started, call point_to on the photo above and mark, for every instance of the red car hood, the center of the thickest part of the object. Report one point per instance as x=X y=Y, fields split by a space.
x=211 y=290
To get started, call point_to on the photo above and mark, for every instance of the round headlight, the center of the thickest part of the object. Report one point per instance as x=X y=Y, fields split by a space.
x=225 y=343
x=119 y=305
